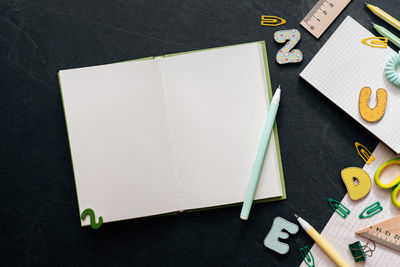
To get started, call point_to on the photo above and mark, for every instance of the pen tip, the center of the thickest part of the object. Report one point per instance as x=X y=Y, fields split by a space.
x=279 y=86
x=295 y=215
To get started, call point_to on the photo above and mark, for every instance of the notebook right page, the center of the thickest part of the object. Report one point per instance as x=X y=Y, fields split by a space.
x=217 y=101
x=345 y=65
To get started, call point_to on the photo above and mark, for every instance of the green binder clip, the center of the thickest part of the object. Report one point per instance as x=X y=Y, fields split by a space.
x=371 y=210
x=357 y=251
x=307 y=256
x=360 y=252
x=339 y=208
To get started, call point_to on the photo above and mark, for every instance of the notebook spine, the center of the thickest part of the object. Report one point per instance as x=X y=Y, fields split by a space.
x=159 y=59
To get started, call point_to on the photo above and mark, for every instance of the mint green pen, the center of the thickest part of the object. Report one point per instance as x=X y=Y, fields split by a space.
x=262 y=150
x=391 y=37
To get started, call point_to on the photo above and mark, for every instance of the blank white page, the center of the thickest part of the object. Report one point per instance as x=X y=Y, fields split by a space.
x=344 y=65
x=119 y=140
x=216 y=106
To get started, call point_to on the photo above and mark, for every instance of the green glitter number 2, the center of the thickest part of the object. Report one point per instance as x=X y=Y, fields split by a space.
x=93 y=223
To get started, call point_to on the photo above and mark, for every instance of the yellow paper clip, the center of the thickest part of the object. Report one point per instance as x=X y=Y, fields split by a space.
x=271 y=21
x=364 y=153
x=379 y=42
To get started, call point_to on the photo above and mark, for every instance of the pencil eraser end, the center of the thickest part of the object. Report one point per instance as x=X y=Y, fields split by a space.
x=244 y=218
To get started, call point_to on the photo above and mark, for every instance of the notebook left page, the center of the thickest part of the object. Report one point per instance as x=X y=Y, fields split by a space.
x=118 y=134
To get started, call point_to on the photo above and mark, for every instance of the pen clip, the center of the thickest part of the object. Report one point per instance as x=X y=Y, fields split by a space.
x=364 y=153
x=307 y=256
x=371 y=210
x=378 y=42
x=339 y=208
x=271 y=21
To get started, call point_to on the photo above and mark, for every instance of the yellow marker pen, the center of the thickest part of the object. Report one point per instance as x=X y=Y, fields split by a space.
x=385 y=16
x=322 y=243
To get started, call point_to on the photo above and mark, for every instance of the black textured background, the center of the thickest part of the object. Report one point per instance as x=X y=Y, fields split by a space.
x=39 y=222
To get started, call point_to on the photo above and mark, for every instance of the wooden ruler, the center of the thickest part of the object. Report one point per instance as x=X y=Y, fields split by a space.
x=386 y=233
x=322 y=15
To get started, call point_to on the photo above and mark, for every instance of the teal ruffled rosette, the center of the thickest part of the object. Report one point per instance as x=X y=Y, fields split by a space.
x=390 y=69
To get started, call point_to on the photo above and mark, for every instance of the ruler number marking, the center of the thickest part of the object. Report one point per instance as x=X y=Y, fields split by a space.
x=331 y=5
x=322 y=15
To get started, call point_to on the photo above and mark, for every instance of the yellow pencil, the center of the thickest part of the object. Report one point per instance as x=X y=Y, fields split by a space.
x=385 y=16
x=322 y=243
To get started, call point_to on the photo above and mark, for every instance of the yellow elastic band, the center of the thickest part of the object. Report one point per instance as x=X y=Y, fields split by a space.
x=394 y=195
x=381 y=168
x=395 y=182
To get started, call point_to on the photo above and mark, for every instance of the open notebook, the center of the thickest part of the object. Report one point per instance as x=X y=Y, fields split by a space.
x=170 y=133
x=344 y=65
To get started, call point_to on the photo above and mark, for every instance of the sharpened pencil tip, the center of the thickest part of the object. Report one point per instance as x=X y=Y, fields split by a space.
x=295 y=215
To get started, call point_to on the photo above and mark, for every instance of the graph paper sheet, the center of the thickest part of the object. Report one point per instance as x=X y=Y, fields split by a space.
x=344 y=65
x=340 y=232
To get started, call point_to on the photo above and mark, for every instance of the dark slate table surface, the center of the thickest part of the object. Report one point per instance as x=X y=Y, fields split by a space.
x=39 y=211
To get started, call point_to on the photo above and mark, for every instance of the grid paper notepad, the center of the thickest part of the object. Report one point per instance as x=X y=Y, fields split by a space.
x=344 y=65
x=171 y=133
x=340 y=232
